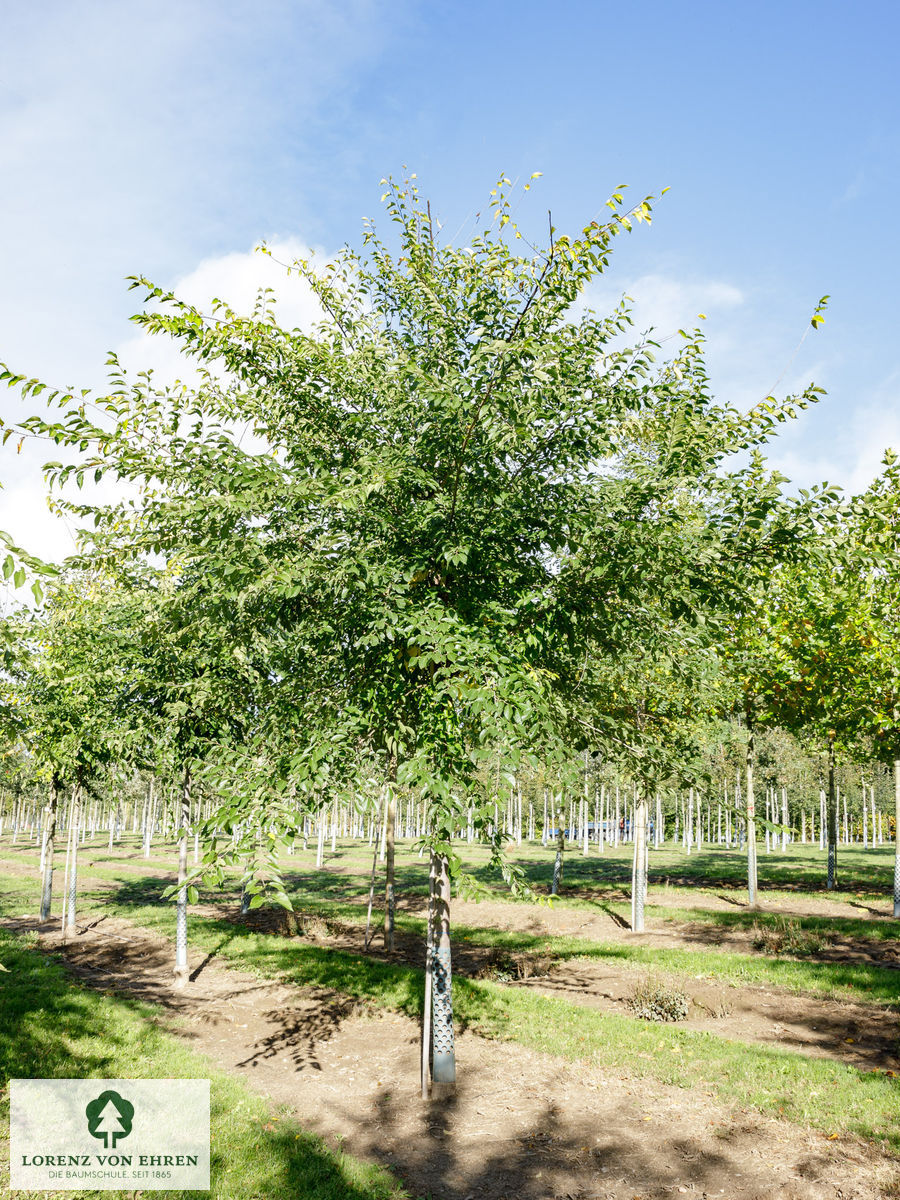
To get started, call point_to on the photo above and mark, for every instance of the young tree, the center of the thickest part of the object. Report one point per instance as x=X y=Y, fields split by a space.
x=816 y=624
x=460 y=490
x=58 y=689
x=877 y=690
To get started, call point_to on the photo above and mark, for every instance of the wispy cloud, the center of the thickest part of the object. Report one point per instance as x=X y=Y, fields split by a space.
x=852 y=449
x=667 y=304
x=234 y=278
x=140 y=138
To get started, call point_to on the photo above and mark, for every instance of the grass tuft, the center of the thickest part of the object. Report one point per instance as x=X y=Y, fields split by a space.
x=658 y=1000
x=785 y=935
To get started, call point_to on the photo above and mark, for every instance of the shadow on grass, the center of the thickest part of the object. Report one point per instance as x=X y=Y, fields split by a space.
x=855 y=954
x=50 y=1028
x=147 y=889
x=551 y=1151
x=709 y=869
x=829 y=928
x=436 y=1166
x=399 y=986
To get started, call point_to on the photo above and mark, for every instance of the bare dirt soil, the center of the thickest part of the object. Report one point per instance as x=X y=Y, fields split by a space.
x=604 y=924
x=866 y=1036
x=522 y=1126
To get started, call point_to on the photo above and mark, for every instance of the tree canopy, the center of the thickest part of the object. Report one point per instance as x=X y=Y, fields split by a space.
x=434 y=526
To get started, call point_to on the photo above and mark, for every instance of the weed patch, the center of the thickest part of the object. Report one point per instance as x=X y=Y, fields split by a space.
x=658 y=1000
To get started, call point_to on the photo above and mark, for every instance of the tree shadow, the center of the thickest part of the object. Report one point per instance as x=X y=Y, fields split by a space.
x=876 y=912
x=297 y=1032
x=139 y=890
x=198 y=970
x=560 y=1154
x=52 y=1029
x=285 y=1025
x=583 y=1149
x=617 y=918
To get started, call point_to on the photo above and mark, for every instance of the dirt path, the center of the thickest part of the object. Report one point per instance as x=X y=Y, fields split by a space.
x=603 y=924
x=866 y=1036
x=860 y=1035
x=523 y=1126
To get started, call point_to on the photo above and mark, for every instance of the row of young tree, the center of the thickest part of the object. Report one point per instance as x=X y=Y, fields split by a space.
x=456 y=534
x=594 y=817
x=600 y=817
x=689 y=820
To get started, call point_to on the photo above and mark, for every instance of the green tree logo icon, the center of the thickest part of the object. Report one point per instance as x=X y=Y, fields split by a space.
x=109 y=1117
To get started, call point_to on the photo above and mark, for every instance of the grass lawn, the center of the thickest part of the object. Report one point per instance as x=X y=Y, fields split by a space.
x=826 y=1095
x=50 y=1028
x=863 y=874
x=138 y=898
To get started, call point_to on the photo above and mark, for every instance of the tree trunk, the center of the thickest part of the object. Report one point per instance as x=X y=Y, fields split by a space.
x=151 y=819
x=832 y=818
x=784 y=820
x=429 y=983
x=823 y=819
x=320 y=845
x=44 y=822
x=558 y=861
x=768 y=817
x=181 y=961
x=658 y=829
x=47 y=887
x=896 y=835
x=751 y=823
x=375 y=841
x=390 y=822
x=699 y=820
x=443 y=1057
x=639 y=866
x=872 y=798
x=74 y=821
x=689 y=822
x=585 y=808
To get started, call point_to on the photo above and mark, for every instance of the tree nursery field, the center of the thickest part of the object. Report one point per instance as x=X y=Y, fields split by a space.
x=725 y=1050
x=451 y=738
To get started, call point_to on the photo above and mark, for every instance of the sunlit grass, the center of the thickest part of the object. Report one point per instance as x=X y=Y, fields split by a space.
x=50 y=1028
x=824 y=1094
x=865 y=876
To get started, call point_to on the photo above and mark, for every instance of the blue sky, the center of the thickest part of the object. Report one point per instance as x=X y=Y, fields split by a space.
x=168 y=139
